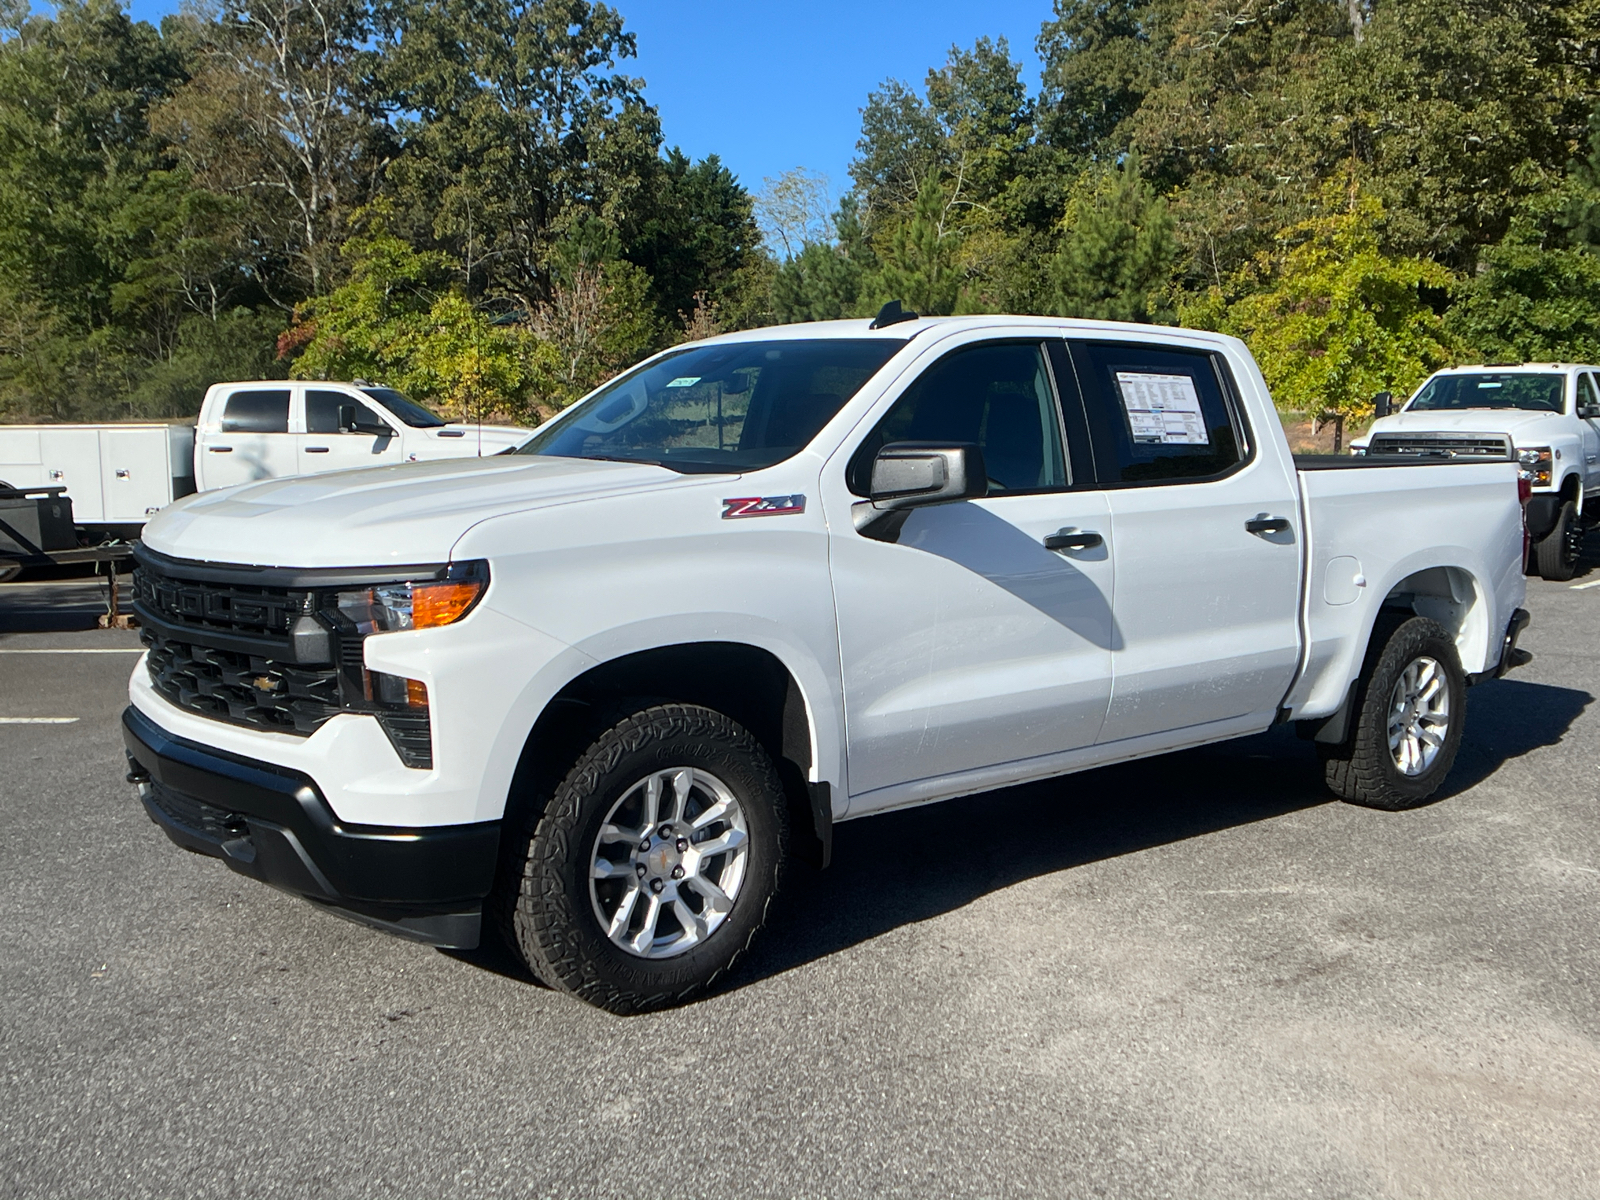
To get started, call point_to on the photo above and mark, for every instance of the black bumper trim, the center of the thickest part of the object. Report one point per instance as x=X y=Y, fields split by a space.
x=273 y=824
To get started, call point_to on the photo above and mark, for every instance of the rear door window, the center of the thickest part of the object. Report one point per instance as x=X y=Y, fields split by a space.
x=1158 y=414
x=264 y=411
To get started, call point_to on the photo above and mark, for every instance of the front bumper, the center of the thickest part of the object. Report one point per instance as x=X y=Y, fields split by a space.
x=273 y=824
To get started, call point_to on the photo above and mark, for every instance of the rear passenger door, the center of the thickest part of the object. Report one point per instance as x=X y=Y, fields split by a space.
x=252 y=441
x=1205 y=536
x=327 y=446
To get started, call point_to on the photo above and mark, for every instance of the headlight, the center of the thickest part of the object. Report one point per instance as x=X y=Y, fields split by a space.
x=419 y=604
x=1535 y=463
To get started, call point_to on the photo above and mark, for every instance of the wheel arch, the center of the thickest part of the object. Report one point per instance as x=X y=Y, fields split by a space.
x=749 y=683
x=1454 y=597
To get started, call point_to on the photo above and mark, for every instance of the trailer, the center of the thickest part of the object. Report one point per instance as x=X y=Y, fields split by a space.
x=37 y=530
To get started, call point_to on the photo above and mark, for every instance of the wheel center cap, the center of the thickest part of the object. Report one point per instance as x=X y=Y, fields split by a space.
x=661 y=857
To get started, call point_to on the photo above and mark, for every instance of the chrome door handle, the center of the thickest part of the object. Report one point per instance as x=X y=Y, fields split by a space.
x=1262 y=523
x=1073 y=539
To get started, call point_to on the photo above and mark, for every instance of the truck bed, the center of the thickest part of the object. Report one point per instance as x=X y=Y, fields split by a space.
x=1422 y=530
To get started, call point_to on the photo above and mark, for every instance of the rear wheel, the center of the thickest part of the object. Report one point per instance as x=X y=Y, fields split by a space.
x=1556 y=554
x=653 y=865
x=1407 y=725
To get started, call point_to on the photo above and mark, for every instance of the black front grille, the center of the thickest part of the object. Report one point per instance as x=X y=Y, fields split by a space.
x=217 y=607
x=224 y=651
x=1440 y=445
x=244 y=689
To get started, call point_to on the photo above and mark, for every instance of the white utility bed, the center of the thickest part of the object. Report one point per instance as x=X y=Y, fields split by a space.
x=114 y=474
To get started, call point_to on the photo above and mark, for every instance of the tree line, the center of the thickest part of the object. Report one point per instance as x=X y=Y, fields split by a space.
x=472 y=200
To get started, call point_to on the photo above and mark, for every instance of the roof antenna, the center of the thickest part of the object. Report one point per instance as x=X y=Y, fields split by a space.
x=891 y=314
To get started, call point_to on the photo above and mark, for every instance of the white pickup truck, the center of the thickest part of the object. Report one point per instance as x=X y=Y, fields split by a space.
x=118 y=475
x=601 y=691
x=1548 y=414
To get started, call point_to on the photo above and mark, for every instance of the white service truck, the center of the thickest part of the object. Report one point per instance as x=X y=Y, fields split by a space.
x=1547 y=414
x=600 y=692
x=119 y=475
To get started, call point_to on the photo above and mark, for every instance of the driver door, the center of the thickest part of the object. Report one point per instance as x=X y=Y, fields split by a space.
x=325 y=446
x=964 y=642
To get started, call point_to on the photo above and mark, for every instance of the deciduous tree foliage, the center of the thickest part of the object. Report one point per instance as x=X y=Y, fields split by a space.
x=473 y=198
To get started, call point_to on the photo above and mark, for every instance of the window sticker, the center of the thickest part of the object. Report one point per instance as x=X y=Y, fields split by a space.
x=1162 y=409
x=685 y=381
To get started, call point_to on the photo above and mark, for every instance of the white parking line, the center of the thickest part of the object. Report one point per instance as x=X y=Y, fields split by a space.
x=1578 y=587
x=38 y=720
x=96 y=650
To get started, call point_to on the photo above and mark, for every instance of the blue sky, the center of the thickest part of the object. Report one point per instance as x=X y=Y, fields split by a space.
x=774 y=85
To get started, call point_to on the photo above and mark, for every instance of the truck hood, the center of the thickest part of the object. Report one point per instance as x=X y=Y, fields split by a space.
x=377 y=516
x=1524 y=427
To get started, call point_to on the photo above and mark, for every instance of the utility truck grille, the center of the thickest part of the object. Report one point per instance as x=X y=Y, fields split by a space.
x=1441 y=445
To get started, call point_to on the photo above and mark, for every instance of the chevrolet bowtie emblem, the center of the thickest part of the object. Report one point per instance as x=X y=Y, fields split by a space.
x=265 y=683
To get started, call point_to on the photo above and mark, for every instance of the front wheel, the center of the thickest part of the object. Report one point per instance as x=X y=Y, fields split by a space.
x=1408 y=718
x=1556 y=554
x=653 y=865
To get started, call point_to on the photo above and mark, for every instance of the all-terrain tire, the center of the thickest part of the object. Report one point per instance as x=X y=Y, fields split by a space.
x=1556 y=554
x=1362 y=770
x=554 y=922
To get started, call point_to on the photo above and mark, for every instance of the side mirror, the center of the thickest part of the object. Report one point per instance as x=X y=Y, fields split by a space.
x=353 y=419
x=1589 y=411
x=1382 y=404
x=914 y=474
x=907 y=475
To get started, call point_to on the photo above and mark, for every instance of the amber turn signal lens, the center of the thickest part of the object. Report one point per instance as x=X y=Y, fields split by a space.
x=434 y=604
x=416 y=693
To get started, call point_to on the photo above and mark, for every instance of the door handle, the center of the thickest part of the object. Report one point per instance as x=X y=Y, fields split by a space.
x=1261 y=523
x=220 y=449
x=1072 y=539
x=316 y=449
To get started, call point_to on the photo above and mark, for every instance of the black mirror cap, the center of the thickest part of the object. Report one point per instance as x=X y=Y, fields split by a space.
x=912 y=474
x=1383 y=404
x=1589 y=411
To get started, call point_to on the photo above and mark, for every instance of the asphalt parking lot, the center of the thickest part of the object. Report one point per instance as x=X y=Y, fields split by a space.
x=1195 y=976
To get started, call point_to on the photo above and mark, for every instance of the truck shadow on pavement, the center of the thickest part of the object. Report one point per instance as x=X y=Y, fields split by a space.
x=904 y=867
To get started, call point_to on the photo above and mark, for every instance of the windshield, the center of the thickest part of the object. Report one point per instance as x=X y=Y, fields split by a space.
x=411 y=413
x=1540 y=393
x=738 y=406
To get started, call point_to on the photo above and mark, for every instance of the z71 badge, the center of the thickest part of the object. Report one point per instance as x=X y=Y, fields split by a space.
x=762 y=506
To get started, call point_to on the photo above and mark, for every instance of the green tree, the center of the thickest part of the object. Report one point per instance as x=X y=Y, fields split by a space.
x=691 y=230
x=1116 y=257
x=1330 y=317
x=823 y=281
x=514 y=129
x=399 y=319
x=1536 y=295
x=916 y=265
